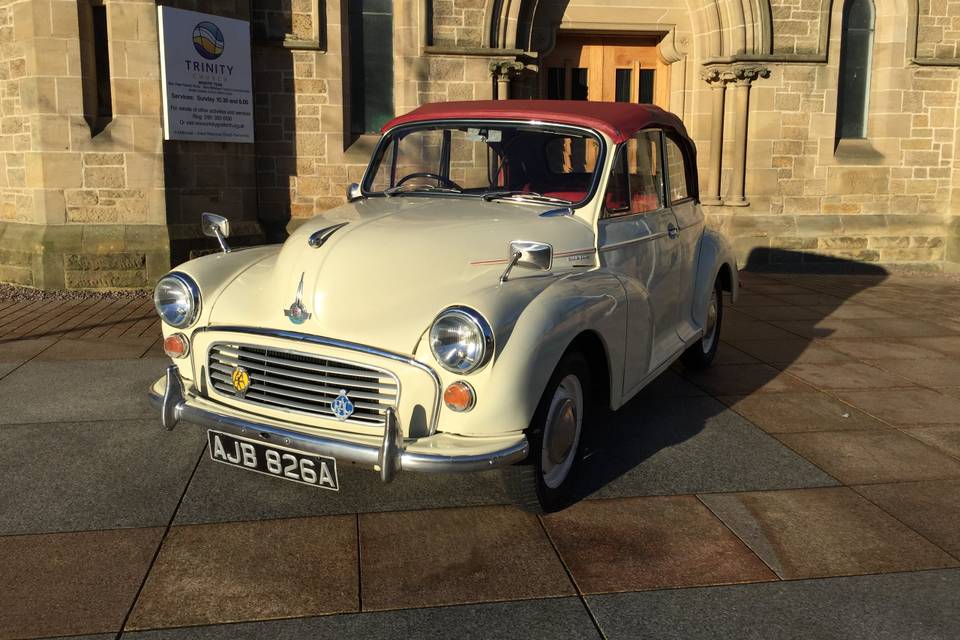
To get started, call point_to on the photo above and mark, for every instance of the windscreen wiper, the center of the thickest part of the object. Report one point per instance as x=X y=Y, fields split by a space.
x=522 y=195
x=400 y=190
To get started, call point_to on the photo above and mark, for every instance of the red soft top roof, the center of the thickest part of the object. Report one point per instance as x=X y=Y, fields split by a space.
x=619 y=120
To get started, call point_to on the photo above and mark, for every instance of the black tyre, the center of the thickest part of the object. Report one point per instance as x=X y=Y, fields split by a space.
x=544 y=482
x=701 y=354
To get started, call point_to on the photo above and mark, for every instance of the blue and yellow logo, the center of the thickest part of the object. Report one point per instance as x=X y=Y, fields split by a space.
x=208 y=40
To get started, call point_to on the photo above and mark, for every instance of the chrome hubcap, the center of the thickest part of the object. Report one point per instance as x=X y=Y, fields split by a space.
x=710 y=330
x=561 y=433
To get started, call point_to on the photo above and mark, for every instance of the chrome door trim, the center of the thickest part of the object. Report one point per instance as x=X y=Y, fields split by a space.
x=626 y=243
x=350 y=346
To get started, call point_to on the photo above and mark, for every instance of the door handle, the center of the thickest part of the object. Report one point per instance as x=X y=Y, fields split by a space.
x=673 y=231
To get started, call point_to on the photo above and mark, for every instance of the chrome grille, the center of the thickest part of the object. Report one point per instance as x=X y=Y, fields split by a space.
x=304 y=383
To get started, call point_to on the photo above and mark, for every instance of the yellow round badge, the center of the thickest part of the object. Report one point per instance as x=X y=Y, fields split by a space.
x=241 y=379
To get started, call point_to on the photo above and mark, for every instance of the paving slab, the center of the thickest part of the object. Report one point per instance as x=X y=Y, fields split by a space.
x=889 y=349
x=883 y=607
x=807 y=533
x=664 y=446
x=905 y=406
x=846 y=375
x=931 y=508
x=208 y=574
x=904 y=327
x=800 y=412
x=549 y=619
x=632 y=544
x=728 y=354
x=71 y=583
x=22 y=349
x=744 y=379
x=456 y=556
x=827 y=328
x=93 y=475
x=947 y=345
x=98 y=348
x=783 y=352
x=7 y=367
x=931 y=372
x=945 y=437
x=219 y=493
x=861 y=457
x=80 y=390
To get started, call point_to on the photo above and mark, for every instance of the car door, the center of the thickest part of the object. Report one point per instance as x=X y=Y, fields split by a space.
x=638 y=244
x=690 y=225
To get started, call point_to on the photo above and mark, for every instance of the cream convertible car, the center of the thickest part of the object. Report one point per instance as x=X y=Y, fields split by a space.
x=503 y=269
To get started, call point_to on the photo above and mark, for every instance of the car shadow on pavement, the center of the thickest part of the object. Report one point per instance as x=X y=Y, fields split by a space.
x=678 y=434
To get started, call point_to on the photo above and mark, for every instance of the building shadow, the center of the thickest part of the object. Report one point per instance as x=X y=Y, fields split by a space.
x=680 y=404
x=250 y=184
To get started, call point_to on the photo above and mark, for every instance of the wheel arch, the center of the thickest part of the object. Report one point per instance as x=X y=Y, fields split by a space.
x=592 y=347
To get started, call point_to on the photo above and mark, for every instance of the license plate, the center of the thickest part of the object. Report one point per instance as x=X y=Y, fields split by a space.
x=305 y=468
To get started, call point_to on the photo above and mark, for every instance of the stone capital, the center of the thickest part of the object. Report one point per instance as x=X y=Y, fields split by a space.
x=714 y=76
x=745 y=74
x=504 y=69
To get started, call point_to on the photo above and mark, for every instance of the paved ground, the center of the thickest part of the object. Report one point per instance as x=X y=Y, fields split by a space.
x=806 y=486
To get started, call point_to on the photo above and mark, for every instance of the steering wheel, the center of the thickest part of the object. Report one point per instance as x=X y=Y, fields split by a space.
x=447 y=182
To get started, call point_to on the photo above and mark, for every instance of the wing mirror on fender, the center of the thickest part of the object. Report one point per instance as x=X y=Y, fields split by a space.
x=216 y=227
x=354 y=192
x=537 y=256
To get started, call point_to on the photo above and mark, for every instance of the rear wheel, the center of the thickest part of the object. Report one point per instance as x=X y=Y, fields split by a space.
x=701 y=354
x=544 y=482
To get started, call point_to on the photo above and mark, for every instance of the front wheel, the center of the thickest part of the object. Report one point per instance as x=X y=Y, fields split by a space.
x=701 y=354
x=544 y=482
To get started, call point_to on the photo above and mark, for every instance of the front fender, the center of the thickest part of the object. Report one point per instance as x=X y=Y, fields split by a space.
x=509 y=390
x=715 y=255
x=213 y=273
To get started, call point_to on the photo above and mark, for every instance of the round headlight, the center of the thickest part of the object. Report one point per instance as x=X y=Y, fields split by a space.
x=461 y=340
x=177 y=300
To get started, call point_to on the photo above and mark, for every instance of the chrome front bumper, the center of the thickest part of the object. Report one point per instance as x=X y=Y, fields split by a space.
x=387 y=454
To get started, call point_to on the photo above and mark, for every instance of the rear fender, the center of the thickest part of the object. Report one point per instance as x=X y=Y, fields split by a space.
x=716 y=260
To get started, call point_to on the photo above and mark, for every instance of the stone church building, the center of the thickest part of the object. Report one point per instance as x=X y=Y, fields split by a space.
x=824 y=128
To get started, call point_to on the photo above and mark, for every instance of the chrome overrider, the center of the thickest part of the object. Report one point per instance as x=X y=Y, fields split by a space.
x=388 y=458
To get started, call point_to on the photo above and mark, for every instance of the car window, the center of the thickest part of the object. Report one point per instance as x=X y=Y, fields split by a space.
x=636 y=182
x=678 y=172
x=477 y=160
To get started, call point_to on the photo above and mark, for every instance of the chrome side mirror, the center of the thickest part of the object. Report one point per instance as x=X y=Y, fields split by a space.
x=354 y=192
x=216 y=227
x=537 y=256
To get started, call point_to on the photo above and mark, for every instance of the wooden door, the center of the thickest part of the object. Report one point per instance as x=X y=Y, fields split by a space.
x=606 y=68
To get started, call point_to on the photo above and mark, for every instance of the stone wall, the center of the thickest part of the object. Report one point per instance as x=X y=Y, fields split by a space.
x=796 y=25
x=80 y=211
x=889 y=198
x=458 y=23
x=938 y=33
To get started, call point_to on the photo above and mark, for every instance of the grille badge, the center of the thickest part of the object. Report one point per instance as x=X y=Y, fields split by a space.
x=342 y=406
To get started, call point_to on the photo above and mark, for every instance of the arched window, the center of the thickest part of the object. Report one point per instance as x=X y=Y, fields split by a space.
x=856 y=52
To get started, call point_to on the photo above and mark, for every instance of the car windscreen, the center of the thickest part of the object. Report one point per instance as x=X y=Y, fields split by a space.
x=487 y=160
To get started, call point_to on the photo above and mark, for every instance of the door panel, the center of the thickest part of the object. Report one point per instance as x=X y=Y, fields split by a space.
x=690 y=222
x=607 y=68
x=638 y=243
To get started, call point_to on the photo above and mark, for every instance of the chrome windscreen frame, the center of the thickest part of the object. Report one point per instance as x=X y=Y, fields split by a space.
x=381 y=147
x=307 y=338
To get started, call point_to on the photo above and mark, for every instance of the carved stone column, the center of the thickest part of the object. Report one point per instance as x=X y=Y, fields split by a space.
x=718 y=88
x=742 y=79
x=502 y=72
